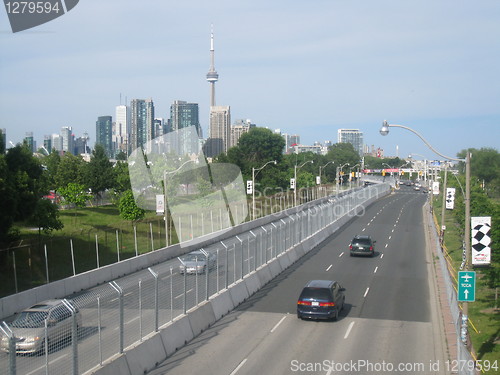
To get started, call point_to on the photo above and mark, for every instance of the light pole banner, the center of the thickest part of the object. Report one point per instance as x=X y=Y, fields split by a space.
x=435 y=187
x=249 y=186
x=481 y=240
x=450 y=198
x=160 y=204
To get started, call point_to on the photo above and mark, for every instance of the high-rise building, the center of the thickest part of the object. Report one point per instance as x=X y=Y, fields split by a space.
x=184 y=115
x=3 y=139
x=290 y=142
x=30 y=141
x=220 y=130
x=81 y=145
x=122 y=128
x=238 y=128
x=104 y=134
x=352 y=136
x=47 y=143
x=142 y=114
x=67 y=139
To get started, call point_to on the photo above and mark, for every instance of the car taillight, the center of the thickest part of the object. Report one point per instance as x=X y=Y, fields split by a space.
x=350 y=247
x=305 y=303
x=327 y=304
x=371 y=248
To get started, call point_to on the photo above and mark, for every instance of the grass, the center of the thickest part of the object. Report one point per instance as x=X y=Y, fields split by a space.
x=486 y=319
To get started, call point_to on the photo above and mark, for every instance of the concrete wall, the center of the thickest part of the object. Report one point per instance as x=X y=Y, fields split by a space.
x=62 y=288
x=145 y=356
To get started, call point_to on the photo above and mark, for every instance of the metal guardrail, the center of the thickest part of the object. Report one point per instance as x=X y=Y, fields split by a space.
x=100 y=323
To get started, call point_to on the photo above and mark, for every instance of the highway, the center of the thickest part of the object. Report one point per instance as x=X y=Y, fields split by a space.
x=391 y=322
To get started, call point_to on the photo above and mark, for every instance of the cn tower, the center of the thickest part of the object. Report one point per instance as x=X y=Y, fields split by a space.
x=212 y=75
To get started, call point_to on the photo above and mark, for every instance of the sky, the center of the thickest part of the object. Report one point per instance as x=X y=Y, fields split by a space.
x=305 y=67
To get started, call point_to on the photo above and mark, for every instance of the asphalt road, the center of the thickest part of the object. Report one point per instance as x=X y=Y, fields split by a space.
x=390 y=324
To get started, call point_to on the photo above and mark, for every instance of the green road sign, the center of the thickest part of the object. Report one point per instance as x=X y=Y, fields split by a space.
x=466 y=286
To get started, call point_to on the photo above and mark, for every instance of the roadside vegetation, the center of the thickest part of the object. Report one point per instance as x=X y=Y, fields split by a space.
x=484 y=313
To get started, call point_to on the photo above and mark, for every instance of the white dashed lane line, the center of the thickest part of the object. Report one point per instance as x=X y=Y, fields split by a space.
x=348 y=330
x=376 y=268
x=330 y=266
x=366 y=292
x=342 y=253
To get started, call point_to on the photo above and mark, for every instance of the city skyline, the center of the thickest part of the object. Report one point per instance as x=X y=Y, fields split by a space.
x=310 y=72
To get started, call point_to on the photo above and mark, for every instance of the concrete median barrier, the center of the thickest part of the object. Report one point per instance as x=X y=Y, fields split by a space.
x=222 y=304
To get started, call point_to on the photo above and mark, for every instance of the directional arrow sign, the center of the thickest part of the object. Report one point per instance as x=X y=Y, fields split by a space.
x=466 y=286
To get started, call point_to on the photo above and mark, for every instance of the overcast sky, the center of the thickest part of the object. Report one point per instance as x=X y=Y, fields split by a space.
x=305 y=67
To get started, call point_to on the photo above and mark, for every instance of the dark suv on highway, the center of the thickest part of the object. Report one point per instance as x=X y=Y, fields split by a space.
x=362 y=245
x=321 y=299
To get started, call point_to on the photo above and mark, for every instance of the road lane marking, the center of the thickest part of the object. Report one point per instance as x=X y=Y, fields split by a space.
x=50 y=363
x=277 y=324
x=392 y=231
x=386 y=245
x=381 y=256
x=363 y=230
x=367 y=289
x=130 y=321
x=376 y=268
x=390 y=237
x=239 y=366
x=348 y=330
x=342 y=253
x=330 y=266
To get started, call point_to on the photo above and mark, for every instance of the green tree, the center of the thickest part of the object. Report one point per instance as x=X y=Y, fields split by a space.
x=24 y=172
x=46 y=217
x=128 y=208
x=122 y=177
x=51 y=163
x=99 y=174
x=7 y=203
x=69 y=170
x=2 y=143
x=76 y=194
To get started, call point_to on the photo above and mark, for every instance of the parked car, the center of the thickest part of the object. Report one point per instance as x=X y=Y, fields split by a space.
x=321 y=299
x=362 y=245
x=29 y=326
x=197 y=262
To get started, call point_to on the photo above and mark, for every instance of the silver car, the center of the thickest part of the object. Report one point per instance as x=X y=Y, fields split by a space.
x=28 y=327
x=197 y=262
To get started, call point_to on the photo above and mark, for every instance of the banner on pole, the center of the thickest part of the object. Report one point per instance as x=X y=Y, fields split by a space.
x=450 y=198
x=481 y=240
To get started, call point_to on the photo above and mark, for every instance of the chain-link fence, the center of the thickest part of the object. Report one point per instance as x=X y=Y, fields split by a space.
x=74 y=336
x=465 y=362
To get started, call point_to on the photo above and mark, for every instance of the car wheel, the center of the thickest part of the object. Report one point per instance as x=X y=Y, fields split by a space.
x=343 y=302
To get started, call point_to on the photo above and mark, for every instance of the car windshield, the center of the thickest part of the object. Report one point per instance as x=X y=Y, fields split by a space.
x=315 y=294
x=193 y=258
x=361 y=242
x=30 y=319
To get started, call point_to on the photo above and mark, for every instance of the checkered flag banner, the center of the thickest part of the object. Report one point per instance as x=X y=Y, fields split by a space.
x=450 y=198
x=481 y=240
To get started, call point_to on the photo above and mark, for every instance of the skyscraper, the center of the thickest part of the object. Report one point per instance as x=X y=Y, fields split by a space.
x=30 y=141
x=104 y=134
x=220 y=130
x=184 y=115
x=142 y=114
x=352 y=136
x=3 y=139
x=122 y=128
x=238 y=128
x=67 y=139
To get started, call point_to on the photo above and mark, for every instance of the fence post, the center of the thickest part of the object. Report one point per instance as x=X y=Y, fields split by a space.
x=99 y=328
x=72 y=256
x=46 y=263
x=117 y=246
x=74 y=334
x=151 y=232
x=254 y=252
x=12 y=347
x=15 y=269
x=265 y=248
x=155 y=275
x=227 y=265
x=97 y=250
x=135 y=240
x=119 y=290
x=241 y=246
x=140 y=309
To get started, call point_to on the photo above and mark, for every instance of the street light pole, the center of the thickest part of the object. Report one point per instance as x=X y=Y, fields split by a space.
x=253 y=184
x=295 y=179
x=384 y=130
x=324 y=166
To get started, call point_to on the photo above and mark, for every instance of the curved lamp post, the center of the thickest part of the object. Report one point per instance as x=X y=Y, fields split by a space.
x=295 y=178
x=253 y=184
x=384 y=130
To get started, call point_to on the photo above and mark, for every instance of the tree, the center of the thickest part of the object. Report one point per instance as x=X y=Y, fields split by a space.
x=98 y=173
x=7 y=203
x=128 y=208
x=51 y=163
x=46 y=217
x=343 y=153
x=75 y=193
x=69 y=170
x=122 y=177
x=24 y=174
